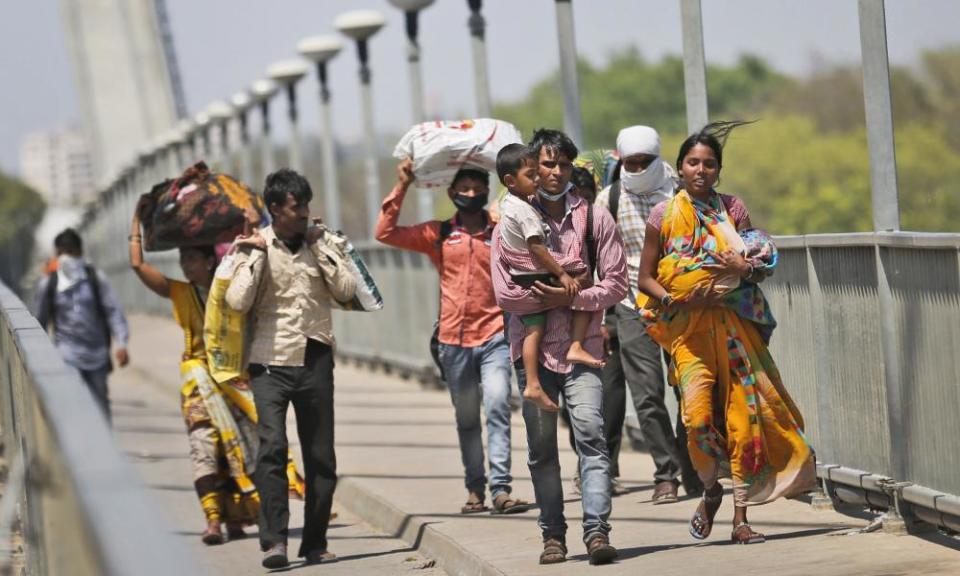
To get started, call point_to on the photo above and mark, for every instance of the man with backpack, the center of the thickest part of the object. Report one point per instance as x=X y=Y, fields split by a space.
x=644 y=180
x=473 y=349
x=80 y=304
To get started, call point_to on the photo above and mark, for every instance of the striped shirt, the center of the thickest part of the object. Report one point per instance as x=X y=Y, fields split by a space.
x=632 y=213
x=569 y=234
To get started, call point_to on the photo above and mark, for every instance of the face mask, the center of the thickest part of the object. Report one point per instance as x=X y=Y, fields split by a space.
x=469 y=204
x=70 y=270
x=554 y=197
x=643 y=182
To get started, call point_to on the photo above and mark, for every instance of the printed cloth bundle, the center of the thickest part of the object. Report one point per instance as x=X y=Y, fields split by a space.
x=200 y=208
x=439 y=149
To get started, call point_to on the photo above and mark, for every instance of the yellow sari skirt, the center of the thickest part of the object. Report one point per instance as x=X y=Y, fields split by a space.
x=734 y=405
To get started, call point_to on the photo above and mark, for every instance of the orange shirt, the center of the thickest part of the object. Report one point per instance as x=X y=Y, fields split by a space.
x=469 y=315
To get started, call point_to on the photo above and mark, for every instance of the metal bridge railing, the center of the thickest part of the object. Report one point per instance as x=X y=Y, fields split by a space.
x=82 y=508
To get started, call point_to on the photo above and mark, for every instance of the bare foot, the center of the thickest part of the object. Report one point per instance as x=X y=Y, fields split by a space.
x=535 y=394
x=578 y=355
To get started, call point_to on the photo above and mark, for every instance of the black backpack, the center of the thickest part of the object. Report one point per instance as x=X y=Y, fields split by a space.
x=50 y=296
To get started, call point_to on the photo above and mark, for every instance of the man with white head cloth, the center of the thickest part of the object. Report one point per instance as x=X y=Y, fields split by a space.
x=645 y=180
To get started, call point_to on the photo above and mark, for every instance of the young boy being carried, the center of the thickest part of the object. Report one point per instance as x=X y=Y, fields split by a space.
x=525 y=252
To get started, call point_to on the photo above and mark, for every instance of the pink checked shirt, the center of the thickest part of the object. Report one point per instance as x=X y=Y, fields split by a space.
x=568 y=237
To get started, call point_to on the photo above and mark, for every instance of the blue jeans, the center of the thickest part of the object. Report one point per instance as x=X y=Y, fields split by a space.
x=582 y=392
x=470 y=371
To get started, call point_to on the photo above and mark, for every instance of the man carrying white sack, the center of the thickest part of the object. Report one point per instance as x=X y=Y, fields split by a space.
x=473 y=349
x=645 y=180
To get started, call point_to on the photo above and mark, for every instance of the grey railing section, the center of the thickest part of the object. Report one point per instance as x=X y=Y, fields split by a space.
x=868 y=345
x=82 y=508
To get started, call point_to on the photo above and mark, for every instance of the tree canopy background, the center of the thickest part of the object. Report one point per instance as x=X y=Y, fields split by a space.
x=804 y=166
x=21 y=210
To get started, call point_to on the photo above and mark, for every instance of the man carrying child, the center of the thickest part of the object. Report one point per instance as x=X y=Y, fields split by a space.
x=571 y=223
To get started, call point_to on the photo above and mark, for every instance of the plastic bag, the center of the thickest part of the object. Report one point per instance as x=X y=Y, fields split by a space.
x=439 y=149
x=200 y=208
x=367 y=297
x=224 y=329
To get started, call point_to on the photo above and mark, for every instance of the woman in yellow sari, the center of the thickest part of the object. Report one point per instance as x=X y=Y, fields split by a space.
x=702 y=304
x=220 y=418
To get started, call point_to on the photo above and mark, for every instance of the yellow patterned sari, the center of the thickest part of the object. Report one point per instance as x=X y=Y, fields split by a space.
x=221 y=424
x=734 y=404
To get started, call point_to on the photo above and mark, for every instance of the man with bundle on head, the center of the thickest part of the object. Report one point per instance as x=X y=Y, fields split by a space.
x=643 y=180
x=473 y=349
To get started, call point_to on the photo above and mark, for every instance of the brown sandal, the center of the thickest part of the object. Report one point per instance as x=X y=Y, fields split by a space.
x=554 y=551
x=702 y=522
x=743 y=533
x=504 y=504
x=473 y=505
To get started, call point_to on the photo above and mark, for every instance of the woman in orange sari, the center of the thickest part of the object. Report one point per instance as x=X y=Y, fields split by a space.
x=702 y=303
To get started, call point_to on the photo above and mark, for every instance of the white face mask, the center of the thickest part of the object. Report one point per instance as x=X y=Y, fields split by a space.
x=70 y=270
x=644 y=182
x=554 y=197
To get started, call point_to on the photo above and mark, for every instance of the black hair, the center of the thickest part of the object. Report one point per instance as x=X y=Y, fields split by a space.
x=713 y=135
x=68 y=241
x=206 y=250
x=583 y=178
x=283 y=182
x=512 y=158
x=475 y=173
x=553 y=140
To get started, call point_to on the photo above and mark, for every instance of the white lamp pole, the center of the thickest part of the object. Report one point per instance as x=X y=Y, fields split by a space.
x=478 y=27
x=262 y=91
x=360 y=25
x=411 y=9
x=286 y=74
x=220 y=114
x=241 y=103
x=320 y=50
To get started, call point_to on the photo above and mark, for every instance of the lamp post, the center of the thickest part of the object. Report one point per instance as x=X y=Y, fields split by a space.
x=286 y=74
x=360 y=25
x=478 y=27
x=185 y=129
x=411 y=9
x=262 y=91
x=220 y=114
x=572 y=122
x=241 y=103
x=320 y=50
x=202 y=123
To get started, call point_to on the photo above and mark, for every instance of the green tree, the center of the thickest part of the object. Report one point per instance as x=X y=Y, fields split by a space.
x=21 y=208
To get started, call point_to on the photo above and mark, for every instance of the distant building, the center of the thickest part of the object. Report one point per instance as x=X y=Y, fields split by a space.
x=58 y=165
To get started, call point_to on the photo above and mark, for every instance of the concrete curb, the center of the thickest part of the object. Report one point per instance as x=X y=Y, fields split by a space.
x=416 y=531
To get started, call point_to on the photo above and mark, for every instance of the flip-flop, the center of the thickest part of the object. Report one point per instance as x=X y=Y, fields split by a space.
x=745 y=534
x=504 y=504
x=473 y=507
x=704 y=517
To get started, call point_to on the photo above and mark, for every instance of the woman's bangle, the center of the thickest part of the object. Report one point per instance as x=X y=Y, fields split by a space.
x=750 y=271
x=666 y=300
x=133 y=237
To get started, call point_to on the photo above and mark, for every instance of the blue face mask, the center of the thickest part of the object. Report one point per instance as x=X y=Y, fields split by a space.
x=554 y=197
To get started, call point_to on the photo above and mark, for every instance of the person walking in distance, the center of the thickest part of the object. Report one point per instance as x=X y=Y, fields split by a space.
x=78 y=301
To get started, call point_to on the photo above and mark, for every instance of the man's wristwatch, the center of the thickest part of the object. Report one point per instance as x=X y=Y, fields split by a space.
x=666 y=300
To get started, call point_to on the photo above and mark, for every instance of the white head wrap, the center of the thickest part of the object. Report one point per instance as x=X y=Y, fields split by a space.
x=642 y=140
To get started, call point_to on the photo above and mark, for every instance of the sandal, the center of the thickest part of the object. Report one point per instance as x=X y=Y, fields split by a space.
x=504 y=504
x=702 y=522
x=473 y=505
x=554 y=551
x=743 y=533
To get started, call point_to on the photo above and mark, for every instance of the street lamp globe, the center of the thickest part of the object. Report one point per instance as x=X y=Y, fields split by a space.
x=287 y=72
x=263 y=89
x=359 y=24
x=319 y=48
x=241 y=102
x=411 y=5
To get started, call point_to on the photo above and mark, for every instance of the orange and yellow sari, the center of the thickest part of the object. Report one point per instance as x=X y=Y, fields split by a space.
x=734 y=404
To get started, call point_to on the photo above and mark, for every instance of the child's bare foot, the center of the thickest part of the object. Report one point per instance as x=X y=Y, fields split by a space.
x=578 y=355
x=536 y=395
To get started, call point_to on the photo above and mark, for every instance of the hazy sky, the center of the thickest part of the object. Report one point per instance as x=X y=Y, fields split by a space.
x=223 y=45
